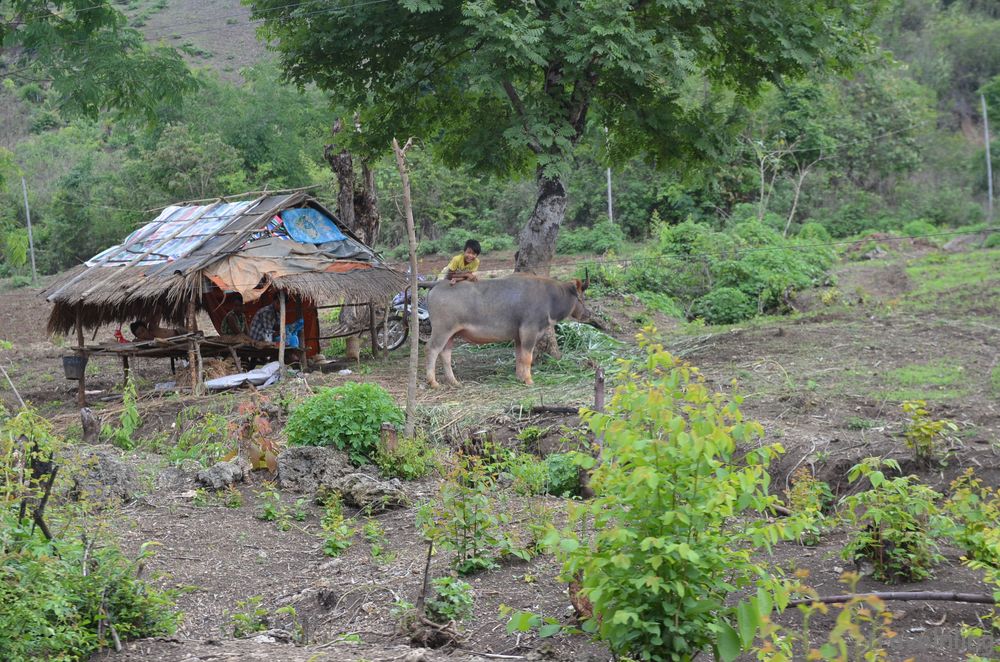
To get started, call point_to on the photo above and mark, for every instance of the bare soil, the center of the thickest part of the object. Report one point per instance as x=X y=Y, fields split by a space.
x=823 y=381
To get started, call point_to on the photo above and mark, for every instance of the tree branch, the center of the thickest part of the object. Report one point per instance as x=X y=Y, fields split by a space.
x=947 y=596
x=515 y=100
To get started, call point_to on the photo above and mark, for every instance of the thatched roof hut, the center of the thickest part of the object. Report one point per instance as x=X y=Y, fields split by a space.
x=287 y=242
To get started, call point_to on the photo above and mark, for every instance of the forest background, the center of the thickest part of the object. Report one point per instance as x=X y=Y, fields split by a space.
x=895 y=147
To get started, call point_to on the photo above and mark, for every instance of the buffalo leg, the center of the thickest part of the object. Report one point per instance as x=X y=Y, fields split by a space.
x=449 y=374
x=435 y=348
x=528 y=340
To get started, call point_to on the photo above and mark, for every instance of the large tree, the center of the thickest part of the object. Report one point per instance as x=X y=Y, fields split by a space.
x=86 y=53
x=511 y=85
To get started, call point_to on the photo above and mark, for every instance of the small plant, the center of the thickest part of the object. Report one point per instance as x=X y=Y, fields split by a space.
x=452 y=600
x=201 y=498
x=338 y=531
x=809 y=498
x=975 y=514
x=272 y=509
x=128 y=422
x=348 y=417
x=528 y=473
x=375 y=535
x=299 y=513
x=464 y=519
x=233 y=497
x=530 y=435
x=410 y=459
x=927 y=438
x=203 y=437
x=249 y=617
x=893 y=523
x=862 y=626
x=562 y=474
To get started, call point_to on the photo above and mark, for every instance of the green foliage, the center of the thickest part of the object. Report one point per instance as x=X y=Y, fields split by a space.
x=452 y=600
x=529 y=476
x=562 y=474
x=920 y=228
x=272 y=509
x=926 y=437
x=893 y=523
x=348 y=417
x=975 y=514
x=204 y=437
x=411 y=458
x=50 y=609
x=725 y=305
x=809 y=498
x=862 y=625
x=337 y=529
x=377 y=544
x=670 y=536
x=128 y=422
x=249 y=617
x=813 y=233
x=603 y=237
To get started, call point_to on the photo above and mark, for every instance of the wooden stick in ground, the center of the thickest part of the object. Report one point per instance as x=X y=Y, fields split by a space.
x=411 y=235
x=81 y=393
x=192 y=358
x=945 y=596
x=281 y=334
x=422 y=598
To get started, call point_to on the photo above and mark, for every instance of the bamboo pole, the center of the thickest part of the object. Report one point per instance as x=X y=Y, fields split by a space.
x=944 y=596
x=411 y=386
x=192 y=347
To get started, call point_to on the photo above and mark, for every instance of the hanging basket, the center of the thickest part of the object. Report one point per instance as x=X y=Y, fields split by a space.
x=74 y=366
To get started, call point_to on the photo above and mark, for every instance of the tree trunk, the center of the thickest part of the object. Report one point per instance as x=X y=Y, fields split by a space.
x=536 y=245
x=357 y=206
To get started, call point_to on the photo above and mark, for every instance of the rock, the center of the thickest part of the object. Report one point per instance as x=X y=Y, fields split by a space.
x=306 y=468
x=370 y=493
x=100 y=474
x=225 y=474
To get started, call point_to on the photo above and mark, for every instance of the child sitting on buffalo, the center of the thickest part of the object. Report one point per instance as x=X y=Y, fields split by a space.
x=464 y=266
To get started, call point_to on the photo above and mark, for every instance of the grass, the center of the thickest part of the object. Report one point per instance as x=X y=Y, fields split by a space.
x=995 y=380
x=955 y=275
x=939 y=380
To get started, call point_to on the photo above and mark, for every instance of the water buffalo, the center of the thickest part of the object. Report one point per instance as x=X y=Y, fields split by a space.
x=518 y=308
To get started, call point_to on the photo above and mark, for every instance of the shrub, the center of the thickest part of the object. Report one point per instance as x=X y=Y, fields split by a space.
x=992 y=240
x=562 y=474
x=813 y=233
x=927 y=438
x=602 y=238
x=893 y=523
x=670 y=535
x=411 y=458
x=975 y=513
x=452 y=600
x=726 y=305
x=919 y=228
x=348 y=417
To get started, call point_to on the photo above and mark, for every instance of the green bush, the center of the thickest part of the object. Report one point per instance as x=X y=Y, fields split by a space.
x=726 y=305
x=348 y=417
x=602 y=238
x=992 y=240
x=562 y=475
x=452 y=600
x=919 y=228
x=412 y=458
x=675 y=527
x=813 y=233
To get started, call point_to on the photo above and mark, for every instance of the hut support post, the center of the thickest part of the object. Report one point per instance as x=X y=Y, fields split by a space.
x=81 y=393
x=125 y=367
x=371 y=329
x=281 y=334
x=193 y=350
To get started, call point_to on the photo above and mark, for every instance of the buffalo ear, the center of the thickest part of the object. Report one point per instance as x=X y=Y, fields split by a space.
x=578 y=284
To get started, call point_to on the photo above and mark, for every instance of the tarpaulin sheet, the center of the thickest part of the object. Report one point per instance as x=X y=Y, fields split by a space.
x=309 y=226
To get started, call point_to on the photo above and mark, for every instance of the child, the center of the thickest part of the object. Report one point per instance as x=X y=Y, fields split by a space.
x=464 y=266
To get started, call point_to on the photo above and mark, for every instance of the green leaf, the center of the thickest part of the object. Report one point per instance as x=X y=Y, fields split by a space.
x=549 y=630
x=728 y=643
x=748 y=621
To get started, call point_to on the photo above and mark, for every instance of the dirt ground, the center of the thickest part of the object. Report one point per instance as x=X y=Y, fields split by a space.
x=826 y=382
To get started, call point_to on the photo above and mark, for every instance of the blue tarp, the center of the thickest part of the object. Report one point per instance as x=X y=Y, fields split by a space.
x=309 y=226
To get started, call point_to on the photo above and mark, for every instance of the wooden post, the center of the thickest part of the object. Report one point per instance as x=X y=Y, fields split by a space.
x=125 y=367
x=81 y=394
x=371 y=329
x=192 y=347
x=390 y=440
x=411 y=236
x=236 y=359
x=281 y=333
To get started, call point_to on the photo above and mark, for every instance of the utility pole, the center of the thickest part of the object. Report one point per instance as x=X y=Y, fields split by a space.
x=989 y=162
x=31 y=238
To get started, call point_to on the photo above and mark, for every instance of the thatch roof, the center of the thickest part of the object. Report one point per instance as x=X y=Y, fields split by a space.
x=188 y=249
